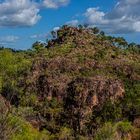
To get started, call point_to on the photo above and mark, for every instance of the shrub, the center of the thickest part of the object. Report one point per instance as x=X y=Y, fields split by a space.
x=107 y=132
x=124 y=128
x=6 y=129
x=65 y=134
x=117 y=131
x=25 y=131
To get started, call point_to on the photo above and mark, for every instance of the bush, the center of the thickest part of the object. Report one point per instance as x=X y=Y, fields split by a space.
x=107 y=132
x=125 y=130
x=25 y=131
x=7 y=128
x=117 y=131
x=65 y=134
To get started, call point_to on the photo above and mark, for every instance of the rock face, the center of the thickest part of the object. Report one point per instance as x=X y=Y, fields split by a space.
x=137 y=122
x=4 y=105
x=80 y=95
x=83 y=94
x=96 y=90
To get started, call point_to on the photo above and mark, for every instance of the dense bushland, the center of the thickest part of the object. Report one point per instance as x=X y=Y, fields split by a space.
x=81 y=85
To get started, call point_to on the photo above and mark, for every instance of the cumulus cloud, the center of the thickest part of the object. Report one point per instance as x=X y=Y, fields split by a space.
x=18 y=13
x=55 y=3
x=8 y=39
x=22 y=13
x=73 y=22
x=123 y=18
x=95 y=16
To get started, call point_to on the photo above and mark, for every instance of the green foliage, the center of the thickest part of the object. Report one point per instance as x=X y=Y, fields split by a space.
x=13 y=67
x=102 y=33
x=107 y=132
x=100 y=54
x=117 y=131
x=95 y=30
x=65 y=133
x=38 y=46
x=124 y=127
x=25 y=131
x=77 y=52
x=109 y=112
x=0 y=83
x=132 y=47
x=5 y=129
x=28 y=99
x=121 y=42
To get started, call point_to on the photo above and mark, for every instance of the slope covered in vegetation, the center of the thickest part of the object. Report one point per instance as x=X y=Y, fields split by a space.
x=81 y=85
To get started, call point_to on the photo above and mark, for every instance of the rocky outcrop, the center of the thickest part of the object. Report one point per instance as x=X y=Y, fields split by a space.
x=83 y=94
x=70 y=34
x=137 y=122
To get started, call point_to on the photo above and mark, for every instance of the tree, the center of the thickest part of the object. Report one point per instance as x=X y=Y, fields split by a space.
x=1 y=47
x=95 y=30
x=117 y=131
x=134 y=48
x=121 y=42
x=65 y=134
x=54 y=34
x=6 y=130
x=132 y=44
x=102 y=33
x=65 y=26
x=80 y=26
x=86 y=25
x=107 y=132
x=38 y=46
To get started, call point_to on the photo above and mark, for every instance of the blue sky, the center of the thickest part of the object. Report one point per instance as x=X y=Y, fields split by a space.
x=23 y=22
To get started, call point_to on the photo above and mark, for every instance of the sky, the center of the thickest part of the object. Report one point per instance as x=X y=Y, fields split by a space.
x=22 y=22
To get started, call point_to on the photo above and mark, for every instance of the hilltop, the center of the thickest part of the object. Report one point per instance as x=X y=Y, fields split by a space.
x=81 y=85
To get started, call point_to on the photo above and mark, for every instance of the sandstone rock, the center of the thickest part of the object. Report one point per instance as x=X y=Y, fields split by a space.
x=83 y=94
x=137 y=122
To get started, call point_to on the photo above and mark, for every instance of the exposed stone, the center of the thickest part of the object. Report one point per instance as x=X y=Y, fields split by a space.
x=137 y=122
x=83 y=94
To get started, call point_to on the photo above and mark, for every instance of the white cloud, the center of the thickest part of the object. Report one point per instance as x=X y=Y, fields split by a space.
x=8 y=39
x=38 y=36
x=94 y=15
x=123 y=18
x=56 y=28
x=73 y=22
x=18 y=13
x=136 y=26
x=55 y=3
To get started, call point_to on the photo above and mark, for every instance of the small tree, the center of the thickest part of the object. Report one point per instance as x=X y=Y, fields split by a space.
x=134 y=48
x=95 y=30
x=102 y=33
x=65 y=134
x=80 y=26
x=54 y=34
x=121 y=42
x=107 y=132
x=6 y=130
x=86 y=25
x=38 y=46
x=132 y=44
